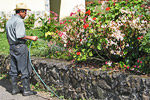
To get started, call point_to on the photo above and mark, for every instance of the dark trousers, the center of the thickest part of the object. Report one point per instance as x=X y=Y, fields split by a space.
x=20 y=61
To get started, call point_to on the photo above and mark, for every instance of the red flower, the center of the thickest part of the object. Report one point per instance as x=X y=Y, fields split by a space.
x=141 y=37
x=94 y=18
x=138 y=38
x=114 y=3
x=80 y=40
x=86 y=25
x=107 y=0
x=88 y=12
x=78 y=53
x=108 y=8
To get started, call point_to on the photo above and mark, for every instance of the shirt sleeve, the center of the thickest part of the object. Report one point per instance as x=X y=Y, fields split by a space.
x=20 y=29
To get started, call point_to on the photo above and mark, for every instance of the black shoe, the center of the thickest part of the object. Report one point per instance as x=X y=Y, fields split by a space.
x=26 y=88
x=28 y=93
x=15 y=88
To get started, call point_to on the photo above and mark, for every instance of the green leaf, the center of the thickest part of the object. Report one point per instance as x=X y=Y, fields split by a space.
x=91 y=31
x=90 y=53
x=99 y=47
x=88 y=44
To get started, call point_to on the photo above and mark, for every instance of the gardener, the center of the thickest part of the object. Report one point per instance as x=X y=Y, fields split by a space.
x=17 y=37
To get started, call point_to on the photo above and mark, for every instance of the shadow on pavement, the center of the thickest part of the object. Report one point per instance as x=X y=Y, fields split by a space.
x=6 y=84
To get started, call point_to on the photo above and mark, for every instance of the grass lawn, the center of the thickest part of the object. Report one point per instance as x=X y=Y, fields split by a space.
x=4 y=46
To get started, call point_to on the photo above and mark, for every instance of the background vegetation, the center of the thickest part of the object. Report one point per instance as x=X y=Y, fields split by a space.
x=115 y=34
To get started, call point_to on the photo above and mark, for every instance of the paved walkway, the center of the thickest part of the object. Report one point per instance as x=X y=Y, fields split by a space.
x=5 y=93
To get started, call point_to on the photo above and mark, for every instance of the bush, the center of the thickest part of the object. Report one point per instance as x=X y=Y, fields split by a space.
x=108 y=32
x=3 y=22
x=29 y=21
x=112 y=32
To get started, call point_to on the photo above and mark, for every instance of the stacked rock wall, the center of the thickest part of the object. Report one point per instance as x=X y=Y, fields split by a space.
x=85 y=83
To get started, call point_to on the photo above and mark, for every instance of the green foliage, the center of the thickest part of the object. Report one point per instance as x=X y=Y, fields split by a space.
x=4 y=76
x=4 y=46
x=3 y=22
x=109 y=32
x=145 y=43
x=49 y=24
x=29 y=21
x=50 y=32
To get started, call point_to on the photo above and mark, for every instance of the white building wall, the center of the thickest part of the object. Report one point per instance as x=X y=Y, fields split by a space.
x=68 y=6
x=34 y=5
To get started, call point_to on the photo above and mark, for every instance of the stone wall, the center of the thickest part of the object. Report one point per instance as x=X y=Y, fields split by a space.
x=84 y=83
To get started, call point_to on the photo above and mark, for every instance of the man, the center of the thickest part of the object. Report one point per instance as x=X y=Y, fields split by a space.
x=17 y=37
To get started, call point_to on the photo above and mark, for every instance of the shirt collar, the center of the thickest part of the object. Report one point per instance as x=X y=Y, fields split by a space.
x=18 y=16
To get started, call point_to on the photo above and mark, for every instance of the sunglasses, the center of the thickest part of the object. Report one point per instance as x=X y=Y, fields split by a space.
x=23 y=10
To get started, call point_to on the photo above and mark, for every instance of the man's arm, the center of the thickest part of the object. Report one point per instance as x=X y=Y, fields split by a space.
x=34 y=38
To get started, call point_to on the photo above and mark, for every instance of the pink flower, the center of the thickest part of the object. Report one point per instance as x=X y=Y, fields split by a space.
x=141 y=37
x=78 y=10
x=141 y=62
x=63 y=22
x=138 y=61
x=124 y=65
x=128 y=67
x=72 y=13
x=54 y=13
x=69 y=20
x=61 y=34
x=134 y=65
x=106 y=62
x=32 y=87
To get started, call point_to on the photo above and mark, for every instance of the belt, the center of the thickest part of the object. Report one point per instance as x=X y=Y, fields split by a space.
x=18 y=43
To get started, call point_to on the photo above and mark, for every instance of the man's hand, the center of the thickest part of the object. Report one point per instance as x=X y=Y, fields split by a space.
x=34 y=38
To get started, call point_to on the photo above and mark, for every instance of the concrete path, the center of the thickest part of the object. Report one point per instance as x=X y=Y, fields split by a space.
x=5 y=93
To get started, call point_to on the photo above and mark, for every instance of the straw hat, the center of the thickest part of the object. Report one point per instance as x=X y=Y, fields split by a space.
x=20 y=6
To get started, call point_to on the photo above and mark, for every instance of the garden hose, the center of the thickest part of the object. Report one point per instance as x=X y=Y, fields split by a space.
x=39 y=75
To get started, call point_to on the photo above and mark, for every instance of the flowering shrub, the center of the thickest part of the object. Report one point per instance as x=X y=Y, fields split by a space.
x=3 y=20
x=51 y=34
x=29 y=21
x=49 y=24
x=112 y=31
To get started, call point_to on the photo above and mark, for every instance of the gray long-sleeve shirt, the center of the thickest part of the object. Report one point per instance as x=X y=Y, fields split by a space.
x=15 y=30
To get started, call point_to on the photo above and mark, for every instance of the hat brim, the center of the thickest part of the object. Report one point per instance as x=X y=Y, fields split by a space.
x=22 y=8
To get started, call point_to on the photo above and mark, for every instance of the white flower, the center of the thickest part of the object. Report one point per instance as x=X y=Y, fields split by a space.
x=112 y=51
x=109 y=63
x=65 y=45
